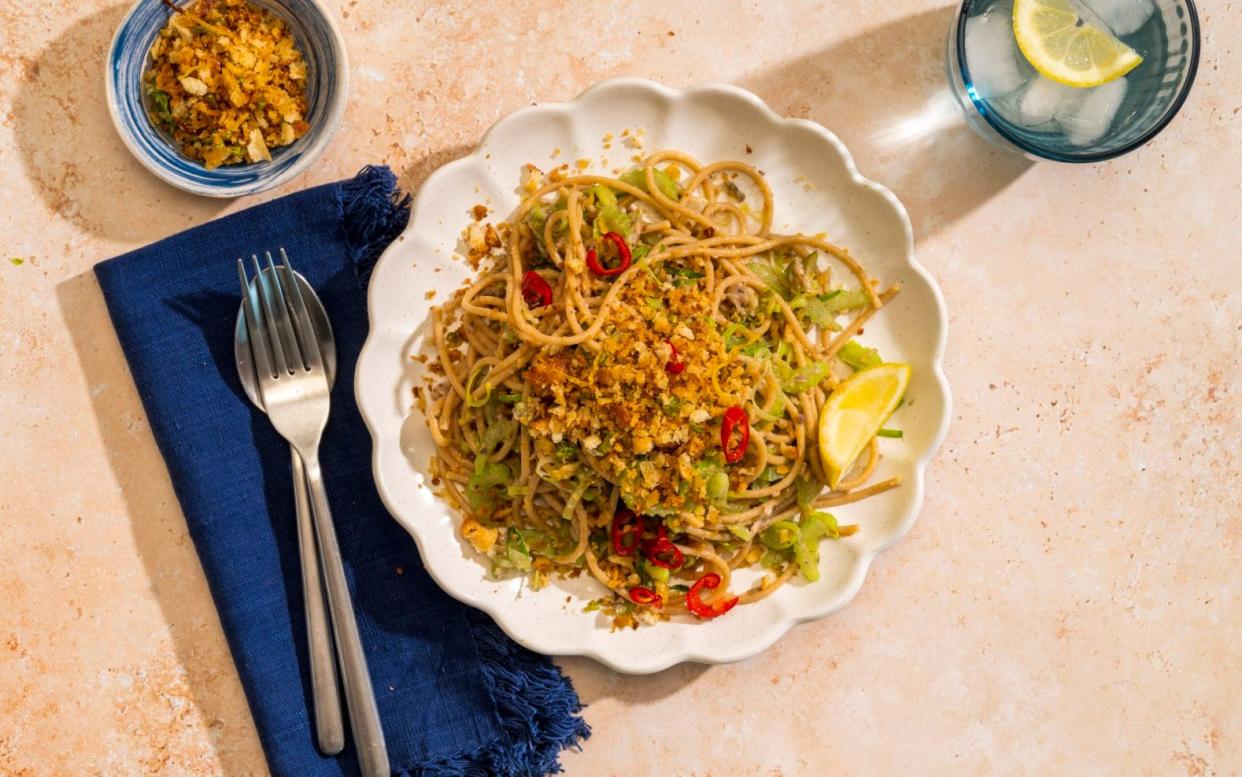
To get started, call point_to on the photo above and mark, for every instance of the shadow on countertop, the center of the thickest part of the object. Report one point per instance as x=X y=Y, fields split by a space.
x=159 y=531
x=886 y=94
x=73 y=155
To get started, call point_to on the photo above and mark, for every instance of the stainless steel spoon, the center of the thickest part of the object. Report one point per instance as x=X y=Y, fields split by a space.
x=329 y=725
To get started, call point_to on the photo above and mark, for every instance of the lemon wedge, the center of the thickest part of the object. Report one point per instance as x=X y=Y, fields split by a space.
x=855 y=411
x=1062 y=45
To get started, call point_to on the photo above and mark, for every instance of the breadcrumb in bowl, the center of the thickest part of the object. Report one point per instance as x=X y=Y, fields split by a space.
x=227 y=97
x=227 y=82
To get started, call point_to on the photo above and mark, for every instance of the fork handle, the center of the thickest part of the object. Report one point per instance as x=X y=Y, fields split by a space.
x=329 y=725
x=364 y=718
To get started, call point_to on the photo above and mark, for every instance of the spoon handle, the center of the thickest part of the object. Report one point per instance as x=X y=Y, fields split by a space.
x=329 y=723
x=364 y=720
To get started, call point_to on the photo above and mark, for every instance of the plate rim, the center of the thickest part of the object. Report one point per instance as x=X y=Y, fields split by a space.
x=650 y=664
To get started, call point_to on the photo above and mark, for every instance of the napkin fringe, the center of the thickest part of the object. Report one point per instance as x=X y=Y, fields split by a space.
x=375 y=213
x=537 y=707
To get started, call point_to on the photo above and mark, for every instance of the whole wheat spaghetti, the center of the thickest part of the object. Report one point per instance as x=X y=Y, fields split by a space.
x=631 y=386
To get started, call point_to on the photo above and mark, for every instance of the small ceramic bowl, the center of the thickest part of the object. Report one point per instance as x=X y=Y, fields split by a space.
x=327 y=91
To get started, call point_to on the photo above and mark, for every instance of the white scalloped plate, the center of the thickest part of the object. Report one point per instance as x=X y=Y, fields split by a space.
x=817 y=188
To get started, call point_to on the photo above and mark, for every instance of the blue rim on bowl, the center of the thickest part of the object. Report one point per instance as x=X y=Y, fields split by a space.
x=327 y=91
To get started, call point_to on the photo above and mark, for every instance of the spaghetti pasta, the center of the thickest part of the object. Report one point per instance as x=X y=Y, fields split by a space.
x=632 y=384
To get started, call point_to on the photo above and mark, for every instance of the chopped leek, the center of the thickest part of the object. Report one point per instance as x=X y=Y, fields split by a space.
x=806 y=489
x=838 y=300
x=655 y=572
x=774 y=277
x=498 y=430
x=614 y=220
x=778 y=407
x=804 y=378
x=604 y=196
x=814 y=527
x=517 y=550
x=537 y=217
x=472 y=384
x=733 y=336
x=663 y=181
x=817 y=310
x=487 y=476
x=741 y=532
x=774 y=559
x=784 y=350
x=769 y=475
x=780 y=535
x=859 y=356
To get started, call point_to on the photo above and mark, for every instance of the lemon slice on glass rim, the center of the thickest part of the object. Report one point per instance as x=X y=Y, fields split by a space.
x=855 y=411
x=1062 y=45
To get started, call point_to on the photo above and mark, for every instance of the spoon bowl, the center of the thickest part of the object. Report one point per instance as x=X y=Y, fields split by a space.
x=241 y=340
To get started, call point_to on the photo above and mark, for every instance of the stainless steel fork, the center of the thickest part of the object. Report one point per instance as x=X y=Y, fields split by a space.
x=294 y=387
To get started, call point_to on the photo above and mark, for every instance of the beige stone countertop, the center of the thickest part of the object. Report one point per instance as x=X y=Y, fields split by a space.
x=1070 y=599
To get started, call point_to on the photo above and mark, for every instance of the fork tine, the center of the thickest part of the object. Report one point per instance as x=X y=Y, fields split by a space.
x=301 y=316
x=256 y=333
x=270 y=314
x=285 y=323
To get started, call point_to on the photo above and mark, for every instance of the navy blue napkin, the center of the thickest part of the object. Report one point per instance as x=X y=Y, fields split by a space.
x=456 y=696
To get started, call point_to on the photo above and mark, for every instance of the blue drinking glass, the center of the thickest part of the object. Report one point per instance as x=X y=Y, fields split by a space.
x=1009 y=103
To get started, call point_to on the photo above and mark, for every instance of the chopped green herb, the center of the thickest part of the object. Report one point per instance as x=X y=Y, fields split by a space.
x=685 y=276
x=159 y=100
x=894 y=433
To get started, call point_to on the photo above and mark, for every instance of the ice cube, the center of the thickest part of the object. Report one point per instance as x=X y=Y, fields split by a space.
x=992 y=55
x=1007 y=106
x=1044 y=98
x=1089 y=118
x=1122 y=17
